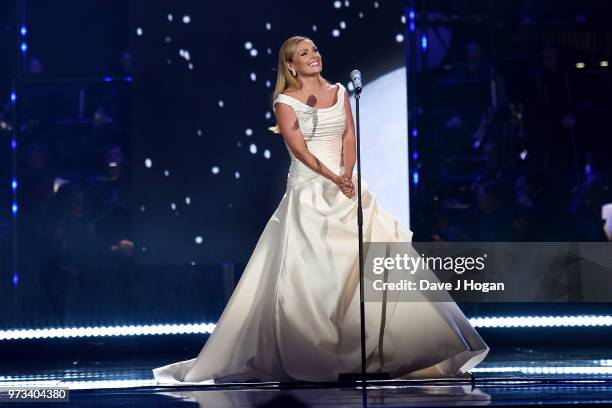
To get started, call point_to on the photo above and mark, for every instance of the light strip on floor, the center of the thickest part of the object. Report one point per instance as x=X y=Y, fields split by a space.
x=542 y=321
x=584 y=370
x=207 y=328
x=108 y=331
x=82 y=385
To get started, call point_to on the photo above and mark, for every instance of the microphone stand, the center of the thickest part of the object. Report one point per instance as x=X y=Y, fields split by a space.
x=363 y=376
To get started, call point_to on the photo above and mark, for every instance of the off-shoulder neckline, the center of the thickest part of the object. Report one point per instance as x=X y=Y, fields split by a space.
x=338 y=84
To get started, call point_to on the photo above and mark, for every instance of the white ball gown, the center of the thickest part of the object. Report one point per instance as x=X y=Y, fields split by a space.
x=294 y=314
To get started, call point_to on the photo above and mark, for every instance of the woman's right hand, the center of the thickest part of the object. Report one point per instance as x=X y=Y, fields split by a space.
x=345 y=185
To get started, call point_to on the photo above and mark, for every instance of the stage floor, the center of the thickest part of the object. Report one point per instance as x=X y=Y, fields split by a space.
x=514 y=377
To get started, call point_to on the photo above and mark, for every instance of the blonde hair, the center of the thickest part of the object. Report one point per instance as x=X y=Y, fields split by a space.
x=284 y=79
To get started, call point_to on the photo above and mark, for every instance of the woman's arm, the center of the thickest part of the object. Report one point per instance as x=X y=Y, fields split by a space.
x=349 y=154
x=290 y=129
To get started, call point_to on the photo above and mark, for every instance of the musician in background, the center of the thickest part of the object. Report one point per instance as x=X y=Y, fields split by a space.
x=110 y=200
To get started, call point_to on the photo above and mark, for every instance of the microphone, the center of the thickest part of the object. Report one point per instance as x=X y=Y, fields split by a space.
x=356 y=78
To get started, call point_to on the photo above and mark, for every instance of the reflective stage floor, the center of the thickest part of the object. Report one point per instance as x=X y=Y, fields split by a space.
x=510 y=377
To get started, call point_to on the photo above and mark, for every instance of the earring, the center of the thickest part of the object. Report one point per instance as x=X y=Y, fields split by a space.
x=293 y=72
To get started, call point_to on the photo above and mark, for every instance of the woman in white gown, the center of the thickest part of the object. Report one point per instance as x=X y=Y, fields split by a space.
x=294 y=314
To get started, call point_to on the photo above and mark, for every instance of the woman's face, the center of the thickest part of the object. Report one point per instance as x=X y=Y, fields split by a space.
x=306 y=60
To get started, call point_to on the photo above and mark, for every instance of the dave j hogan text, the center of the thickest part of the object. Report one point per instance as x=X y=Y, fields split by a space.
x=426 y=285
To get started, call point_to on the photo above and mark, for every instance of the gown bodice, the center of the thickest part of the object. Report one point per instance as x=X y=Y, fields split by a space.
x=322 y=129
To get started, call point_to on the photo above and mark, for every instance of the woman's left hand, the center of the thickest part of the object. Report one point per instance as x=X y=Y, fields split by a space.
x=348 y=188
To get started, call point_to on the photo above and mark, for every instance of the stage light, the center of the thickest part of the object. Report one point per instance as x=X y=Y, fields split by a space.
x=337 y=4
x=24 y=31
x=267 y=154
x=399 y=38
x=173 y=206
x=187 y=200
x=360 y=15
x=253 y=52
x=237 y=174
x=108 y=79
x=412 y=26
x=35 y=381
x=411 y=15
x=139 y=31
x=107 y=331
x=314 y=28
x=415 y=155
x=415 y=132
x=198 y=240
x=208 y=328
x=253 y=148
x=215 y=170
x=542 y=321
x=85 y=385
x=342 y=25
x=268 y=26
x=148 y=163
x=220 y=103
x=185 y=54
x=15 y=281
x=424 y=42
x=376 y=5
x=253 y=77
x=167 y=173
x=14 y=184
x=14 y=144
x=170 y=17
x=24 y=47
x=186 y=19
x=567 y=370
x=14 y=208
x=248 y=45
x=580 y=65
x=13 y=97
x=248 y=132
x=603 y=64
x=335 y=32
x=129 y=79
x=415 y=177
